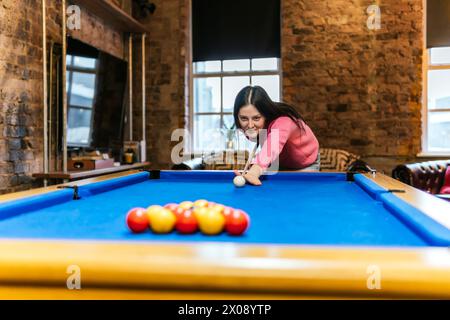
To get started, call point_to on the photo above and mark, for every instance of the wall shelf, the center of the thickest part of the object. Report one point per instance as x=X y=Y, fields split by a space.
x=112 y=14
x=75 y=175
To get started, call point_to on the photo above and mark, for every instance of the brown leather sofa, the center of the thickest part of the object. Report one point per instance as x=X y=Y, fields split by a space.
x=427 y=176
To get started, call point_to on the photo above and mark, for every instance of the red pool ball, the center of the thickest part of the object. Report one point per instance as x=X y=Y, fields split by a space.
x=137 y=220
x=237 y=222
x=227 y=211
x=179 y=211
x=186 y=222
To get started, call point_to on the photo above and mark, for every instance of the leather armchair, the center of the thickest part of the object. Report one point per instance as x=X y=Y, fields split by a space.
x=427 y=176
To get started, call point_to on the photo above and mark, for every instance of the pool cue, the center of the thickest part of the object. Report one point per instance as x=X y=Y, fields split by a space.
x=250 y=159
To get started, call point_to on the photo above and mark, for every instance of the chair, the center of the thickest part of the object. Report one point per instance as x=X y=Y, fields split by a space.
x=220 y=160
x=330 y=160
x=427 y=176
x=336 y=159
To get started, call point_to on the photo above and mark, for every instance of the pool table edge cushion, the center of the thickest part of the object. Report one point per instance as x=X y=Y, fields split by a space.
x=430 y=230
x=66 y=193
x=4 y=198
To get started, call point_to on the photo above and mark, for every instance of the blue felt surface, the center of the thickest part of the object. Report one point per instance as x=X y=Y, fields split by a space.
x=321 y=209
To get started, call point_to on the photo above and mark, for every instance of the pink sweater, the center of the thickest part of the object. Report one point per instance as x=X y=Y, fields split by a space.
x=296 y=148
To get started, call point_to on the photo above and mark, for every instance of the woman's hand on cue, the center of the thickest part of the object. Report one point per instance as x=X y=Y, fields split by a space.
x=252 y=175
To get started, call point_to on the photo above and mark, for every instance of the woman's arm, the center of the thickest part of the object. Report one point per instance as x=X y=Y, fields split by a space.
x=253 y=174
x=280 y=131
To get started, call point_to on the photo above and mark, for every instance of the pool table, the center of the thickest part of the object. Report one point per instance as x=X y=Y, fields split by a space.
x=312 y=235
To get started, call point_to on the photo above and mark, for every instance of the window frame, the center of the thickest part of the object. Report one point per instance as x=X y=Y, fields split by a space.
x=426 y=59
x=249 y=73
x=428 y=66
x=71 y=69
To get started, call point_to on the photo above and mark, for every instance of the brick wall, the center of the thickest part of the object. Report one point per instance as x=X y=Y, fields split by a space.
x=20 y=93
x=167 y=71
x=359 y=89
x=21 y=113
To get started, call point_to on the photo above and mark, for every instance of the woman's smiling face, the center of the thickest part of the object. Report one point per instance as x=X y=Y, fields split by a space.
x=251 y=120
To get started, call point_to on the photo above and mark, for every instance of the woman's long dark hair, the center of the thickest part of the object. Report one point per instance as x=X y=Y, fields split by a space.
x=257 y=96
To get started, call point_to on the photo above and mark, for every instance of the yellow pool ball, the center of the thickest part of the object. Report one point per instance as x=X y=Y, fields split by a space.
x=200 y=212
x=152 y=210
x=186 y=205
x=201 y=203
x=218 y=207
x=163 y=221
x=212 y=222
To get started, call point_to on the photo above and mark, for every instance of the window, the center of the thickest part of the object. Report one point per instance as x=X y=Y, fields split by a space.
x=81 y=87
x=215 y=86
x=437 y=117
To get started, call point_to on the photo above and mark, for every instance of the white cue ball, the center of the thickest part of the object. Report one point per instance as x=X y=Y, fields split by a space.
x=239 y=181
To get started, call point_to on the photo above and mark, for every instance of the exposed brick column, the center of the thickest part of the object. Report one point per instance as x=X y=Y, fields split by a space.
x=167 y=82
